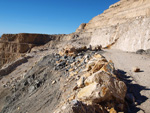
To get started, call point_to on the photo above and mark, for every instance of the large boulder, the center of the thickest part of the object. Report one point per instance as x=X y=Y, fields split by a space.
x=102 y=87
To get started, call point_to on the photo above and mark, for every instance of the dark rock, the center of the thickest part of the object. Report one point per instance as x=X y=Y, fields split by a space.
x=140 y=51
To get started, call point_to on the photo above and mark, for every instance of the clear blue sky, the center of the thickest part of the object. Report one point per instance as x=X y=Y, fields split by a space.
x=48 y=16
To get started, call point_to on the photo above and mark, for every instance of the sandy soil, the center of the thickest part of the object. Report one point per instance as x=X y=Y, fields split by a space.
x=139 y=82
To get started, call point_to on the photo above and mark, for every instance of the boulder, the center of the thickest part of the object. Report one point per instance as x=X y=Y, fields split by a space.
x=140 y=51
x=102 y=87
x=80 y=82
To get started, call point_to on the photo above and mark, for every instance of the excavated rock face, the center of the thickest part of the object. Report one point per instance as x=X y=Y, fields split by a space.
x=125 y=26
x=12 y=46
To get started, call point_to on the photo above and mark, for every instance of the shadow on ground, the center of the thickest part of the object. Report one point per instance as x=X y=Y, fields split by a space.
x=133 y=92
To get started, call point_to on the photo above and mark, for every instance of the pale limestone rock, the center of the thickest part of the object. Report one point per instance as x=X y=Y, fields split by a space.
x=108 y=67
x=105 y=90
x=98 y=65
x=80 y=82
x=97 y=77
x=54 y=82
x=89 y=65
x=124 y=26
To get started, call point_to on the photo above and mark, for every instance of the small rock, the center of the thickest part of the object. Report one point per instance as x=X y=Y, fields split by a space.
x=136 y=103
x=112 y=110
x=80 y=82
x=31 y=89
x=75 y=88
x=74 y=102
x=140 y=51
x=54 y=82
x=136 y=69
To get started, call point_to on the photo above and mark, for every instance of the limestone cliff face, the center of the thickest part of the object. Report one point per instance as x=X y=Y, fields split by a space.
x=13 y=46
x=125 y=25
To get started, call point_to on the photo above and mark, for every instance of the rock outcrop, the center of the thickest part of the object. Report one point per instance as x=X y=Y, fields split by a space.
x=13 y=46
x=124 y=26
x=68 y=73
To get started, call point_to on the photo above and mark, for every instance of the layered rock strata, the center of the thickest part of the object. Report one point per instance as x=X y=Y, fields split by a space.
x=124 y=26
x=13 y=46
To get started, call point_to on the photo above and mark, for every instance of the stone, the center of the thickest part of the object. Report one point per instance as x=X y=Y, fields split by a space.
x=89 y=65
x=93 y=93
x=31 y=89
x=53 y=82
x=72 y=97
x=97 y=56
x=112 y=110
x=97 y=77
x=70 y=50
x=136 y=69
x=80 y=82
x=83 y=48
x=108 y=67
x=98 y=65
x=140 y=51
x=101 y=86
x=96 y=48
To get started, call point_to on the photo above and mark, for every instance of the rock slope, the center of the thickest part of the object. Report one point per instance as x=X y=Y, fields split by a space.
x=72 y=82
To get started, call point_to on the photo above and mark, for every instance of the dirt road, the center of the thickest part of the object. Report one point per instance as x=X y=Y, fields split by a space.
x=138 y=83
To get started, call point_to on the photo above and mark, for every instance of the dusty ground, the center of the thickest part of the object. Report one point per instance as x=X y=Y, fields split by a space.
x=138 y=83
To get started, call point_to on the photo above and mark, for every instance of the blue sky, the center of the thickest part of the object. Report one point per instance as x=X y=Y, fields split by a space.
x=48 y=16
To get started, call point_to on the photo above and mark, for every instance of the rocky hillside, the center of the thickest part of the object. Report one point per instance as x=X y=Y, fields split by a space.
x=125 y=26
x=75 y=80
x=79 y=72
x=13 y=46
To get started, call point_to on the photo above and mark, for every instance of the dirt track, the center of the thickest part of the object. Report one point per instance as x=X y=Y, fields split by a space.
x=138 y=83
